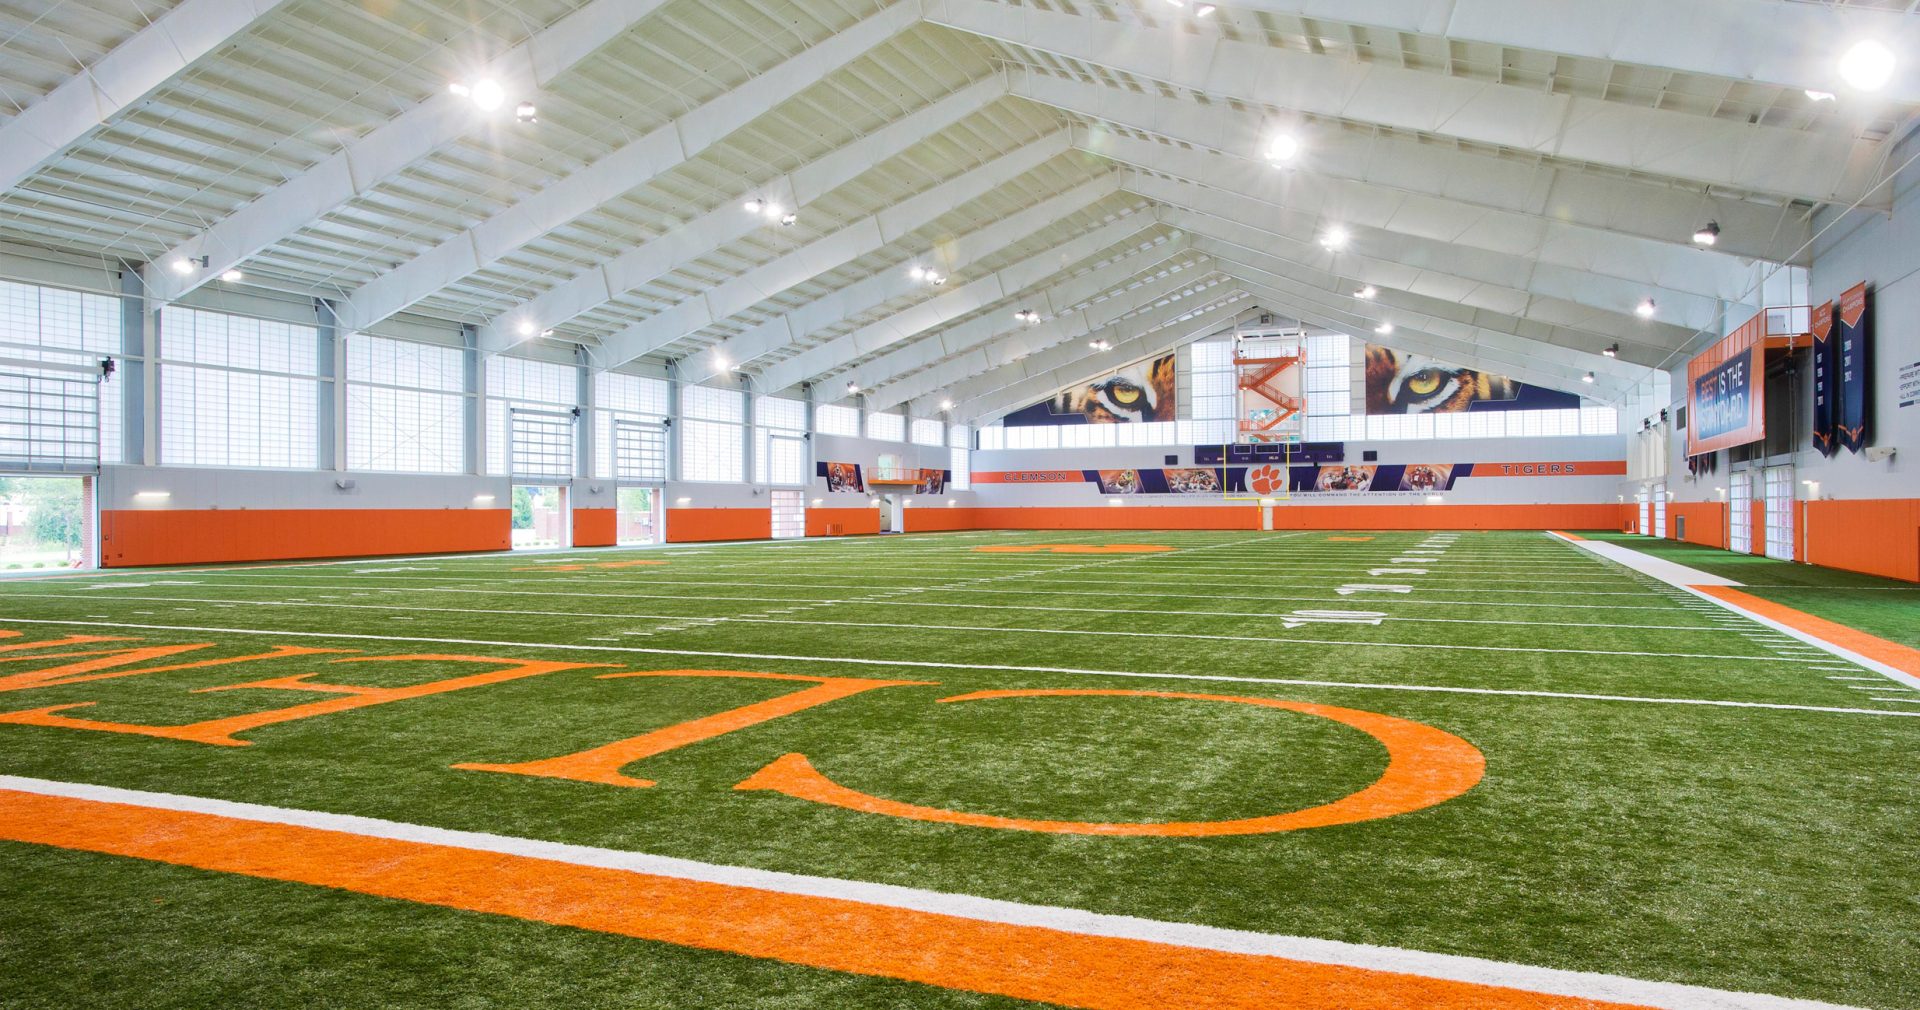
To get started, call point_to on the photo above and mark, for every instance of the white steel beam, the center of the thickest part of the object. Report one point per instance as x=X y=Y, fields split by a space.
x=129 y=73
x=1788 y=44
x=1820 y=167
x=830 y=252
x=1468 y=178
x=1167 y=283
x=388 y=149
x=636 y=163
x=1012 y=385
x=866 y=294
x=1437 y=270
x=910 y=322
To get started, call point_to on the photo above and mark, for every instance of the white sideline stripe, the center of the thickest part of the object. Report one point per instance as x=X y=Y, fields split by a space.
x=1894 y=674
x=929 y=664
x=1272 y=615
x=1480 y=971
x=1676 y=575
x=819 y=623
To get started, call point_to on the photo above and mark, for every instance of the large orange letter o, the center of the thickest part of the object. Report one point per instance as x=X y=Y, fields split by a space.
x=1425 y=767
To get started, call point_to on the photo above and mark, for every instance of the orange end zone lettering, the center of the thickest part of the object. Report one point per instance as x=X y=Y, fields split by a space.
x=220 y=732
x=110 y=659
x=602 y=764
x=1425 y=767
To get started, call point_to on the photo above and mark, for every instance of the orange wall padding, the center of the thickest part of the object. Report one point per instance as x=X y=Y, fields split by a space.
x=1876 y=537
x=1706 y=522
x=1451 y=517
x=130 y=537
x=851 y=521
x=932 y=519
x=694 y=525
x=595 y=527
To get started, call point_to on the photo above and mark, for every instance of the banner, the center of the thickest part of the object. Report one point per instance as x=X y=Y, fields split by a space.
x=1856 y=368
x=841 y=476
x=1726 y=403
x=1142 y=391
x=1826 y=391
x=1401 y=383
x=1276 y=478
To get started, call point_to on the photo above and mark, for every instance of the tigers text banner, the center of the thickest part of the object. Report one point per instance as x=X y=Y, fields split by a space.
x=1416 y=478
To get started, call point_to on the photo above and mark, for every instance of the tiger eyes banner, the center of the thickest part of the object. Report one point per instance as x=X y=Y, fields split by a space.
x=1403 y=383
x=1389 y=478
x=1142 y=391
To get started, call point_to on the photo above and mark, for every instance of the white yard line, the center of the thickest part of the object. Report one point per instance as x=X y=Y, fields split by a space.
x=937 y=665
x=1479 y=971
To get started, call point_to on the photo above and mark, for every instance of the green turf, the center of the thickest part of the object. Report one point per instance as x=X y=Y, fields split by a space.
x=1743 y=848
x=1879 y=606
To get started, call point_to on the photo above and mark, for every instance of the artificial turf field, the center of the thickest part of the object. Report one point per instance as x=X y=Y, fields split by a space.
x=1666 y=791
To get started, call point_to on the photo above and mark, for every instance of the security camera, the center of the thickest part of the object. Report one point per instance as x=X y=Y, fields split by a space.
x=1880 y=452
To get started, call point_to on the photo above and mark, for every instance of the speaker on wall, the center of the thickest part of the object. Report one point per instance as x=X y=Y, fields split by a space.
x=1369 y=456
x=1173 y=459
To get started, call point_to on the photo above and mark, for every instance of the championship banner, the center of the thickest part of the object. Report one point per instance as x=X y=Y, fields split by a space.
x=1402 y=383
x=1142 y=391
x=1825 y=389
x=1726 y=394
x=1856 y=366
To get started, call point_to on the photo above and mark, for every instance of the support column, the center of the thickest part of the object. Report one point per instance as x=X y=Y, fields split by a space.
x=476 y=403
x=673 y=420
x=330 y=429
x=585 y=431
x=137 y=381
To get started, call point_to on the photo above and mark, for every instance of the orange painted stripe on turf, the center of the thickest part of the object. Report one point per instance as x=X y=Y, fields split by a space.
x=1564 y=535
x=1073 y=549
x=1349 y=540
x=1900 y=657
x=1024 y=962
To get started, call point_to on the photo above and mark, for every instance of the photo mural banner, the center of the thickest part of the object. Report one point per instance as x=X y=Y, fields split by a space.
x=1826 y=388
x=1401 y=383
x=849 y=477
x=1856 y=368
x=1265 y=479
x=1141 y=391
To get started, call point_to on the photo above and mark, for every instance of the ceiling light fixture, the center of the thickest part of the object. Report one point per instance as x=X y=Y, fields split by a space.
x=1204 y=11
x=1282 y=149
x=917 y=272
x=946 y=404
x=1366 y=293
x=1612 y=351
x=233 y=276
x=1100 y=345
x=487 y=95
x=1383 y=329
x=1028 y=316
x=1820 y=96
x=787 y=220
x=526 y=113
x=936 y=279
x=853 y=388
x=524 y=328
x=1335 y=238
x=1868 y=66
x=181 y=267
x=1587 y=378
x=546 y=333
x=1707 y=235
x=754 y=205
x=1645 y=309
x=720 y=363
x=459 y=89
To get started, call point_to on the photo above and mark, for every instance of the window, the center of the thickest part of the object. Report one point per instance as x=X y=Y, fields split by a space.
x=629 y=418
x=928 y=432
x=237 y=391
x=1779 y=489
x=780 y=445
x=406 y=408
x=829 y=419
x=1328 y=387
x=712 y=434
x=64 y=413
x=959 y=458
x=527 y=388
x=887 y=427
x=1740 y=514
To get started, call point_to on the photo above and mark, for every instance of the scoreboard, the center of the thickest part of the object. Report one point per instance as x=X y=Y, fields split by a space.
x=1249 y=453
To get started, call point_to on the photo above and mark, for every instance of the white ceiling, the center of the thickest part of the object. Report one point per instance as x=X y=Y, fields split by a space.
x=1515 y=174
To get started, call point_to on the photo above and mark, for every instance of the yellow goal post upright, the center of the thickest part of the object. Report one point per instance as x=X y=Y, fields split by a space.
x=1268 y=366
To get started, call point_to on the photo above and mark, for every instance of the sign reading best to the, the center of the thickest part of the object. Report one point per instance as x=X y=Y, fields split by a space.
x=1726 y=394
